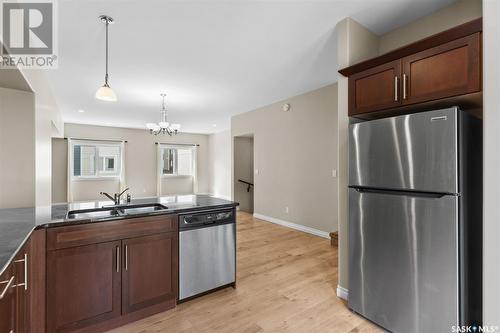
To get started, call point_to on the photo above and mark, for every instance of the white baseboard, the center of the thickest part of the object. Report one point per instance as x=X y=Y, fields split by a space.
x=342 y=292
x=291 y=225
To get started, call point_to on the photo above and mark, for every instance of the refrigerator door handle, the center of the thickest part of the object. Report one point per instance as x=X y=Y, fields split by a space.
x=404 y=193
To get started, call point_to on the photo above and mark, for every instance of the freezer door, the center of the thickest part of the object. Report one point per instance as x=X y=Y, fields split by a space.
x=403 y=260
x=414 y=152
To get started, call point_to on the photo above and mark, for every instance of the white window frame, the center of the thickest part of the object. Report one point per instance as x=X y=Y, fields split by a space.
x=175 y=175
x=99 y=175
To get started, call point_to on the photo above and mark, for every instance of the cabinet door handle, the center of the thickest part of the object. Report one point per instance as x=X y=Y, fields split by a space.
x=404 y=86
x=126 y=257
x=9 y=284
x=25 y=261
x=396 y=97
x=118 y=259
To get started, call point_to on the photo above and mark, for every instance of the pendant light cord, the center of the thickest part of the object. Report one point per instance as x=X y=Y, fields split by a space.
x=106 y=77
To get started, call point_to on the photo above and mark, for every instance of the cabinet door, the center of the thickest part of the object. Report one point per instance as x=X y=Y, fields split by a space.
x=83 y=286
x=21 y=262
x=150 y=271
x=8 y=301
x=444 y=71
x=375 y=89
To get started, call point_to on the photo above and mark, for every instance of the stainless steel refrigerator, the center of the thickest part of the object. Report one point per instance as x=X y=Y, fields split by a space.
x=415 y=221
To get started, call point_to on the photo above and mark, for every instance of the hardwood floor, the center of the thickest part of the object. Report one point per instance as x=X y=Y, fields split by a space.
x=286 y=282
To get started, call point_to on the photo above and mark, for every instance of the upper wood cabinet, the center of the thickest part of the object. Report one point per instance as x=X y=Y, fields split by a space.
x=375 y=89
x=432 y=70
x=447 y=70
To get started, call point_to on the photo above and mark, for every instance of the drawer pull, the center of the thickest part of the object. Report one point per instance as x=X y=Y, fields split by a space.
x=404 y=86
x=25 y=261
x=396 y=97
x=126 y=257
x=118 y=259
x=9 y=283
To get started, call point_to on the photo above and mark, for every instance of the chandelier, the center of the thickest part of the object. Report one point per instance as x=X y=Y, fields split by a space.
x=163 y=127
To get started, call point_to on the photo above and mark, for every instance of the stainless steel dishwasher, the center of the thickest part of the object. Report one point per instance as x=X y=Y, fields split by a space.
x=207 y=251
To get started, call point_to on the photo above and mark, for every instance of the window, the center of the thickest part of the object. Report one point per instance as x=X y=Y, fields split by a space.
x=178 y=161
x=96 y=160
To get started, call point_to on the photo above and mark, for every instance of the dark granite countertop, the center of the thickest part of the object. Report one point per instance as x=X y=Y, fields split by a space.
x=16 y=224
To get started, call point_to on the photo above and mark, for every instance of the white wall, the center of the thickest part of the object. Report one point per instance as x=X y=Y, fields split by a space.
x=491 y=117
x=219 y=156
x=17 y=148
x=244 y=170
x=295 y=153
x=140 y=162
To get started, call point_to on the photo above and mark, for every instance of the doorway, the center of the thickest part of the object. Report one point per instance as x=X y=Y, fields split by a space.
x=243 y=184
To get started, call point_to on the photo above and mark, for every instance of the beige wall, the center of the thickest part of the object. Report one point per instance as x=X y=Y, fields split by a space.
x=48 y=124
x=355 y=44
x=448 y=17
x=59 y=170
x=491 y=217
x=140 y=162
x=295 y=153
x=244 y=170
x=17 y=148
x=177 y=185
x=219 y=165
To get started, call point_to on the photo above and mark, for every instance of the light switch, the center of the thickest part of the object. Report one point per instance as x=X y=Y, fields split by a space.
x=334 y=173
x=256 y=171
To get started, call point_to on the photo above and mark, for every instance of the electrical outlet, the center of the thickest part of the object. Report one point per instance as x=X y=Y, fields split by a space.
x=334 y=173
x=286 y=209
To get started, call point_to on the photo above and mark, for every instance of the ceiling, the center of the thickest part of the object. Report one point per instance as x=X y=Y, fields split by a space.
x=214 y=59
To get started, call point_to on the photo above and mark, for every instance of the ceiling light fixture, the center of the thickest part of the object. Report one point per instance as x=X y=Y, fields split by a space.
x=163 y=127
x=81 y=110
x=105 y=93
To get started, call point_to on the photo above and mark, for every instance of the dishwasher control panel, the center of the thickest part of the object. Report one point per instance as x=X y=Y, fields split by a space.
x=206 y=218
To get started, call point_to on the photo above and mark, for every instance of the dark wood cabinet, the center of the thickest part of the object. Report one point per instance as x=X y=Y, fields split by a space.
x=21 y=271
x=447 y=70
x=439 y=71
x=149 y=271
x=22 y=288
x=375 y=89
x=83 y=286
x=8 y=304
x=101 y=276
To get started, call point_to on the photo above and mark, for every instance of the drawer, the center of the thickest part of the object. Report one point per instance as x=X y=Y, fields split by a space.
x=98 y=232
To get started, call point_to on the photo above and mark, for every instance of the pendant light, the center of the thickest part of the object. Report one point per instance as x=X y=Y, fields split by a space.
x=163 y=127
x=105 y=93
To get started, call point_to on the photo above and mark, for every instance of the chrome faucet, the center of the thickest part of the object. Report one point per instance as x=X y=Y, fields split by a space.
x=116 y=197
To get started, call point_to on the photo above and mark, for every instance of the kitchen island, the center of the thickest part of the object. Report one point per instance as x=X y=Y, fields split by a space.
x=100 y=270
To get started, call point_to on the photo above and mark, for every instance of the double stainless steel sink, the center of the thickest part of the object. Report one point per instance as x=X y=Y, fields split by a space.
x=106 y=212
